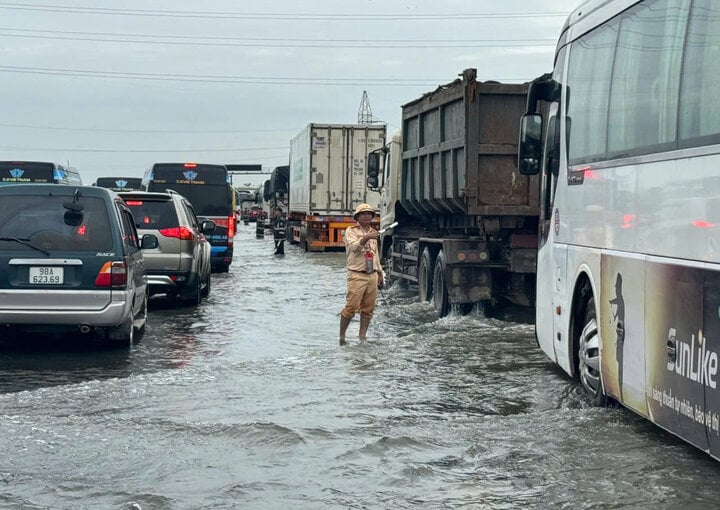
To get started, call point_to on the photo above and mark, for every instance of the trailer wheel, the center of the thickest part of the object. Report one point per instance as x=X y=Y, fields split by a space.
x=440 y=294
x=425 y=275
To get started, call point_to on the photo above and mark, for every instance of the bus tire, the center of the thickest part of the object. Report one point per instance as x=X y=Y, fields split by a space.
x=440 y=297
x=589 y=357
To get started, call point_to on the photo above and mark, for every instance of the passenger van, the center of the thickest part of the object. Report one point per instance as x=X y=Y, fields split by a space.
x=71 y=260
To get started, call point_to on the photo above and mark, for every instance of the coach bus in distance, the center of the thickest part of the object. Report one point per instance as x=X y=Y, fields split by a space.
x=35 y=172
x=209 y=190
x=120 y=183
x=628 y=270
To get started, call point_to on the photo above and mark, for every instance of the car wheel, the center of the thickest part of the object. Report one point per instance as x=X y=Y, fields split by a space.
x=440 y=298
x=193 y=298
x=206 y=289
x=142 y=318
x=589 y=357
x=122 y=335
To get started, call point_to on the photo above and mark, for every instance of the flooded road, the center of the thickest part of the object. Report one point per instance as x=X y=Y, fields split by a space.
x=248 y=402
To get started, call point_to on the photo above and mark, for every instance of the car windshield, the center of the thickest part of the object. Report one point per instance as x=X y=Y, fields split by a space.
x=43 y=222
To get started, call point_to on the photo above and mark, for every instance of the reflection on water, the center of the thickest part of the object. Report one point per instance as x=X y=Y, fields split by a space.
x=247 y=402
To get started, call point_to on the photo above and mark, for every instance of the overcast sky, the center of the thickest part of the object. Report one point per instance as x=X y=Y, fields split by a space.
x=112 y=87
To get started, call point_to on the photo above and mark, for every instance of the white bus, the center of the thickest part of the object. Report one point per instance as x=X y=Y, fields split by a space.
x=628 y=148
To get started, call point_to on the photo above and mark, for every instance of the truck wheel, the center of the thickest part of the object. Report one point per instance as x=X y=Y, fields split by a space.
x=440 y=294
x=589 y=357
x=303 y=241
x=425 y=275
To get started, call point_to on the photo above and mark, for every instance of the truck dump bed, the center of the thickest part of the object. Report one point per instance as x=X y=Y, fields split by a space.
x=460 y=151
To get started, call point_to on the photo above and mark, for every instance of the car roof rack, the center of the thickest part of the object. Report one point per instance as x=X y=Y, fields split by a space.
x=171 y=191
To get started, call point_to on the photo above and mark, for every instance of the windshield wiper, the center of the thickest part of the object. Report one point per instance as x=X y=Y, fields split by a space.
x=25 y=243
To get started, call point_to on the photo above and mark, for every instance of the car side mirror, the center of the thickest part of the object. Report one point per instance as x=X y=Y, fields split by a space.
x=207 y=226
x=149 y=242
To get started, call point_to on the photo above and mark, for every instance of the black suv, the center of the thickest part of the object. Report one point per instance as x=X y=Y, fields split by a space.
x=70 y=258
x=179 y=266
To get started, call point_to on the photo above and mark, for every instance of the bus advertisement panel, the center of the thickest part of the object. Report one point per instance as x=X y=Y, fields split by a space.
x=26 y=172
x=628 y=267
x=208 y=188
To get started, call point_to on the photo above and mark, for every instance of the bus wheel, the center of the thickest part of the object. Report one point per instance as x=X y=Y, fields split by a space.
x=589 y=357
x=425 y=275
x=440 y=294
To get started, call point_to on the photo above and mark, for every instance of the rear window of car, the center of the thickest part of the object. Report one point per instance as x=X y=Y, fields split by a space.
x=153 y=214
x=43 y=222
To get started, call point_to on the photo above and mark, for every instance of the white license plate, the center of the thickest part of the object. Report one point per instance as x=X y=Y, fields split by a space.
x=47 y=275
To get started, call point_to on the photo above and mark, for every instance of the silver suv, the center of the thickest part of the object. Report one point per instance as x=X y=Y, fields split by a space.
x=180 y=266
x=71 y=259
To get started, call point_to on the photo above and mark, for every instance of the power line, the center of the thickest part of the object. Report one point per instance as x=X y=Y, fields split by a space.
x=276 y=16
x=46 y=149
x=258 y=80
x=272 y=42
x=156 y=131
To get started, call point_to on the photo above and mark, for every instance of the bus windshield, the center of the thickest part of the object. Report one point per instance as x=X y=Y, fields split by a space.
x=120 y=183
x=25 y=172
x=206 y=186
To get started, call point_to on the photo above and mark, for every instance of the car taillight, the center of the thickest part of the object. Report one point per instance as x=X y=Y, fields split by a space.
x=182 y=233
x=231 y=227
x=112 y=274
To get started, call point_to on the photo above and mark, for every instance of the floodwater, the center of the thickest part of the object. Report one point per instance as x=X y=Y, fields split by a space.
x=247 y=401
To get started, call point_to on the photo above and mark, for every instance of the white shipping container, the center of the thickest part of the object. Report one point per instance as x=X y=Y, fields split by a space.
x=328 y=169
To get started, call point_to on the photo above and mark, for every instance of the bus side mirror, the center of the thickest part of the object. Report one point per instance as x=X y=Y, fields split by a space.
x=373 y=170
x=530 y=145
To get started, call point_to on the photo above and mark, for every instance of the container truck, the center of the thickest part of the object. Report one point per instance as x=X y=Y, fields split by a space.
x=328 y=180
x=467 y=220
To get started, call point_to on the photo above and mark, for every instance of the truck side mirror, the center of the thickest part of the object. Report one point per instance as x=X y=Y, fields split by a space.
x=530 y=146
x=373 y=170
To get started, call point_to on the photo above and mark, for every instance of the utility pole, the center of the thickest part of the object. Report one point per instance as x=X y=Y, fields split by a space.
x=365 y=115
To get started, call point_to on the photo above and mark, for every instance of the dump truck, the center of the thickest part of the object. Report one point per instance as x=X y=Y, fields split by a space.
x=467 y=221
x=327 y=181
